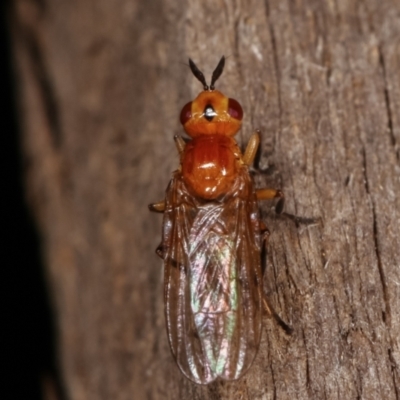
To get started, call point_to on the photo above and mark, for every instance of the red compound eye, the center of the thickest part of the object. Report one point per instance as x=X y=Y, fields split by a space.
x=235 y=109
x=186 y=113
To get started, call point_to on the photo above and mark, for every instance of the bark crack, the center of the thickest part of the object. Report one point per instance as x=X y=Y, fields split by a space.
x=273 y=381
x=308 y=375
x=386 y=312
x=387 y=103
x=395 y=377
x=276 y=62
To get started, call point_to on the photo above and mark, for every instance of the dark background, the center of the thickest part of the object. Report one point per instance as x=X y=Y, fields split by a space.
x=27 y=352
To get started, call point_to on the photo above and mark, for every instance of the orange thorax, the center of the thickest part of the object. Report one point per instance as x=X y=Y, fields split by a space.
x=210 y=165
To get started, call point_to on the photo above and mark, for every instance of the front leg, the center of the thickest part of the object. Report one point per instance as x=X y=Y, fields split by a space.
x=251 y=148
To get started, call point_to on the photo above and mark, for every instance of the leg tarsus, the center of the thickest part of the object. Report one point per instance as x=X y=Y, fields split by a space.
x=264 y=244
x=264 y=232
x=300 y=220
x=270 y=310
x=281 y=202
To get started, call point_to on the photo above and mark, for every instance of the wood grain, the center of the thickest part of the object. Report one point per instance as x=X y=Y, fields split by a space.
x=101 y=85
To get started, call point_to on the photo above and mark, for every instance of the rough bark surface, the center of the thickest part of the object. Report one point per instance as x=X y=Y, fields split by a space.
x=101 y=85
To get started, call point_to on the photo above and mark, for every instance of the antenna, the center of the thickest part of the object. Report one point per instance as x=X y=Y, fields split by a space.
x=217 y=72
x=198 y=74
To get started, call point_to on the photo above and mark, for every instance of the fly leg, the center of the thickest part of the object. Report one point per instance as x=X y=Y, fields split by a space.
x=158 y=207
x=270 y=310
x=180 y=144
x=160 y=251
x=248 y=159
x=267 y=305
x=264 y=244
x=269 y=194
x=251 y=148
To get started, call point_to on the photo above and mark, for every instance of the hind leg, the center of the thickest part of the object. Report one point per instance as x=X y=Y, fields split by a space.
x=266 y=304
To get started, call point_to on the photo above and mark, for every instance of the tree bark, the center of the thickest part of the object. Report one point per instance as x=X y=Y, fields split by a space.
x=101 y=86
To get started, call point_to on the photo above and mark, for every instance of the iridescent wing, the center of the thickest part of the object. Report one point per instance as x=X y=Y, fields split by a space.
x=212 y=280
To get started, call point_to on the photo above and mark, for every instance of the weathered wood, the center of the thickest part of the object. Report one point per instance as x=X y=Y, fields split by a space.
x=101 y=86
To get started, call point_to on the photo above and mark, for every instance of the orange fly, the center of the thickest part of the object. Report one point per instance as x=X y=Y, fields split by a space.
x=212 y=241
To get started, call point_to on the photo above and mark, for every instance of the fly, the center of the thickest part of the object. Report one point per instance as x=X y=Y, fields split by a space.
x=212 y=241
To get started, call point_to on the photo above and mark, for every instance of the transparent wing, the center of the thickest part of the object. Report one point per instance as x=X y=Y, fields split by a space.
x=212 y=280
